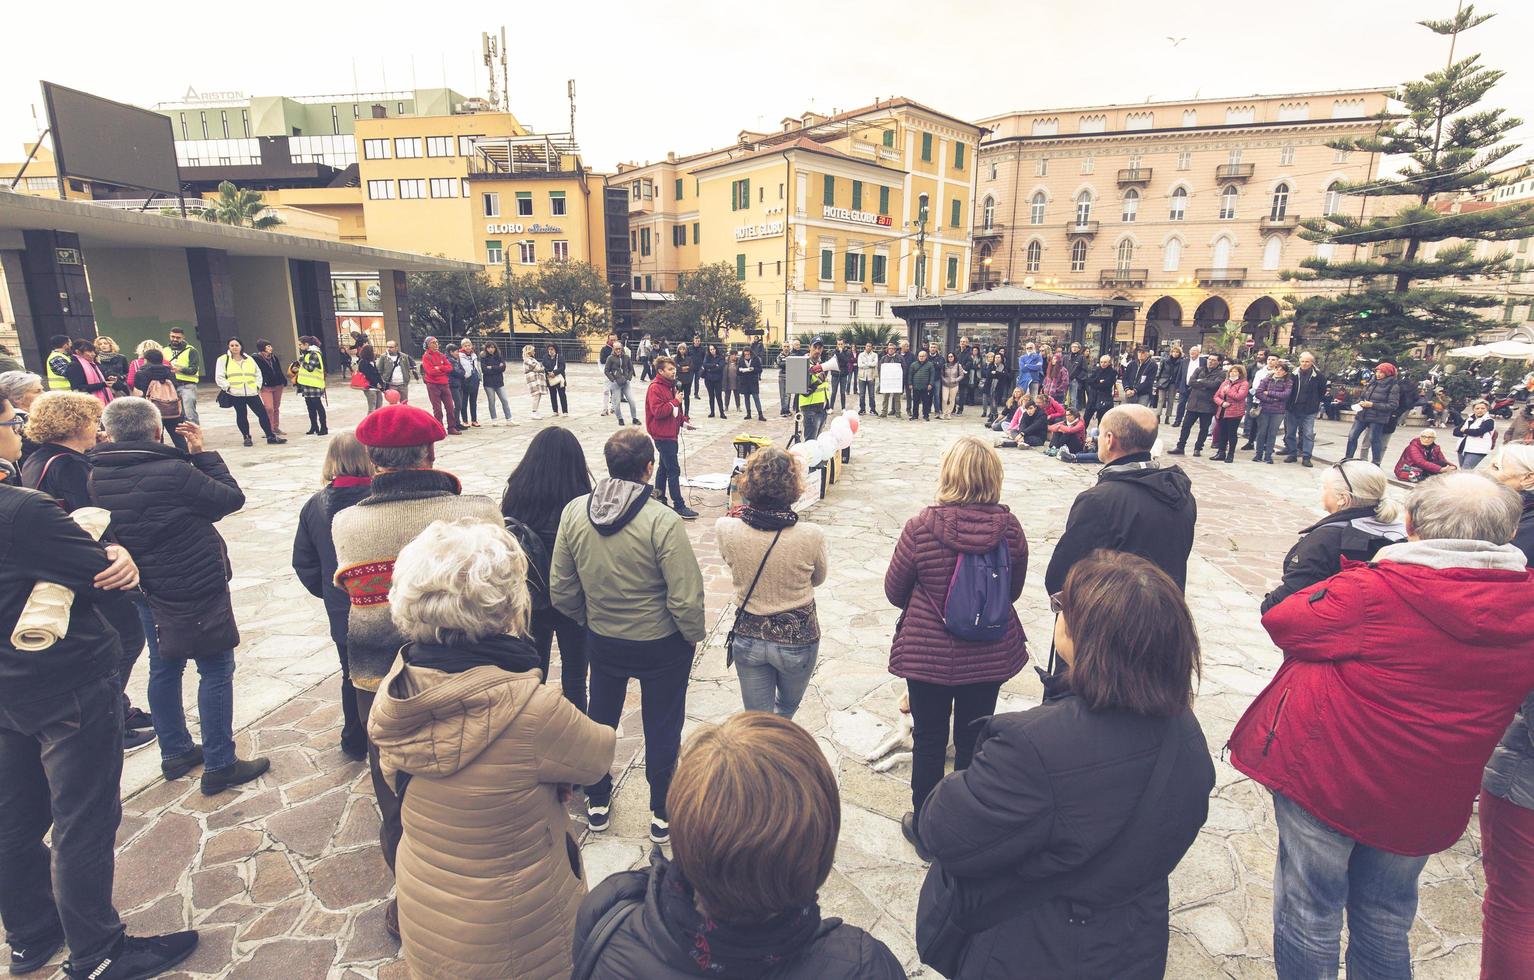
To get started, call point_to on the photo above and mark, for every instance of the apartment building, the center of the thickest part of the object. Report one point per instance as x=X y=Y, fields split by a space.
x=1191 y=208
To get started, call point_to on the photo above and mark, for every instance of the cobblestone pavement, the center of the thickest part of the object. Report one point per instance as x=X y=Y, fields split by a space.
x=285 y=878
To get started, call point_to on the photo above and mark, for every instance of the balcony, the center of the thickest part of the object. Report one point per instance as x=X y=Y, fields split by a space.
x=1123 y=277
x=1081 y=227
x=1235 y=171
x=1287 y=223
x=1225 y=276
x=994 y=230
x=1134 y=175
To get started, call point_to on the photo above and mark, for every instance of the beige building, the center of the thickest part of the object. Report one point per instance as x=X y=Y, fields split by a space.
x=1513 y=289
x=1190 y=208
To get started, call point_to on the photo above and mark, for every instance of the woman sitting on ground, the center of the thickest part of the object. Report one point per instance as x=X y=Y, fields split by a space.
x=1422 y=458
x=484 y=757
x=1053 y=849
x=1067 y=435
x=1010 y=408
x=755 y=815
x=1028 y=429
x=775 y=560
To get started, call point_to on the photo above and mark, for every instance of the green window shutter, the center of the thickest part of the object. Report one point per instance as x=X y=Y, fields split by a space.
x=884 y=200
x=958 y=156
x=953 y=218
x=926 y=146
x=745 y=193
x=828 y=196
x=679 y=188
x=735 y=195
x=953 y=272
x=826 y=272
x=879 y=269
x=695 y=233
x=850 y=267
x=857 y=195
x=740 y=267
x=889 y=137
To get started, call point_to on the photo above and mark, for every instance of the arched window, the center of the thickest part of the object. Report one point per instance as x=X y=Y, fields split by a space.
x=1036 y=209
x=1083 y=207
x=1131 y=205
x=989 y=213
x=1333 y=202
x=1034 y=254
x=1222 y=253
x=1126 y=255
x=1280 y=202
x=1272 y=252
x=1228 y=202
x=1179 y=204
x=1171 y=256
x=1078 y=256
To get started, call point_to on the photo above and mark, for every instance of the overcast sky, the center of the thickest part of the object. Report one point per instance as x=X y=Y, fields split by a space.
x=687 y=76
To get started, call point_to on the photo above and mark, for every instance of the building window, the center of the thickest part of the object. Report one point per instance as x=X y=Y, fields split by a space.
x=888 y=137
x=492 y=204
x=879 y=308
x=524 y=204
x=955 y=212
x=557 y=203
x=825 y=307
x=678 y=188
x=884 y=201
x=638 y=283
x=695 y=233
x=1272 y=252
x=958 y=156
x=412 y=190
x=678 y=235
x=1240 y=115
x=1228 y=199
x=993 y=171
x=380 y=190
x=439 y=146
x=1190 y=117
x=1045 y=127
x=1234 y=157
x=1041 y=167
x=740 y=267
x=1222 y=253
x=782 y=190
x=527 y=252
x=1126 y=256
x=952 y=279
x=1185 y=160
x=857 y=195
x=852 y=309
x=926 y=147
x=375 y=149
x=644 y=241
x=223 y=121
x=203 y=118
x=759 y=267
x=855 y=266
x=407 y=147
x=1131 y=206
x=1140 y=120
x=561 y=251
x=1171 y=255
x=880 y=269
x=1083 y=207
x=1280 y=202
x=635 y=188
x=444 y=187
x=399 y=108
x=740 y=194
x=633 y=242
x=466 y=146
x=1036 y=208
x=1286 y=155
x=1034 y=254
x=649 y=283
x=988 y=213
x=1078 y=255
x=493 y=253
x=244 y=122
x=828 y=191
x=335 y=122
x=184 y=135
x=1333 y=202
x=827 y=268
x=1088 y=164
x=356 y=111
x=1179 y=208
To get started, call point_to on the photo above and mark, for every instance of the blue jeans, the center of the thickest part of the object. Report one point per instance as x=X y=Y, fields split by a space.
x=188 y=394
x=773 y=675
x=215 y=707
x=668 y=473
x=1469 y=461
x=618 y=391
x=1319 y=873
x=494 y=394
x=1267 y=434
x=1303 y=423
x=1377 y=437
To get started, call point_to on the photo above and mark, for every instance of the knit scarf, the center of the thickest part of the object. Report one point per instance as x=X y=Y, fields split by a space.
x=510 y=653
x=765 y=520
x=718 y=948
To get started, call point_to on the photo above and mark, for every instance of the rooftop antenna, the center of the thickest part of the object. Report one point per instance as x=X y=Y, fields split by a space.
x=490 y=46
x=505 y=76
x=570 y=90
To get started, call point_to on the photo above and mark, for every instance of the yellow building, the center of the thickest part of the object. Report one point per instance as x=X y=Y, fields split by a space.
x=825 y=221
x=40 y=177
x=1190 y=208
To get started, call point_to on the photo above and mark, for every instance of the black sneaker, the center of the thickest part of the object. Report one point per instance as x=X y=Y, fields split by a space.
x=660 y=830
x=179 y=765
x=908 y=828
x=138 y=957
x=1176 y=451
x=34 y=955
x=686 y=513
x=597 y=817
x=248 y=442
x=133 y=739
x=240 y=771
x=275 y=440
x=1291 y=459
x=137 y=718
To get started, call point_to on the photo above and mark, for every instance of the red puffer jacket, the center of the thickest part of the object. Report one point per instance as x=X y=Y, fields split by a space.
x=917 y=581
x=1230 y=400
x=1398 y=680
x=663 y=415
x=436 y=367
x=1427 y=459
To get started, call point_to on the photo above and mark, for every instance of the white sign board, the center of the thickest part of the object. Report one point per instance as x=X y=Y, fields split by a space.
x=891 y=379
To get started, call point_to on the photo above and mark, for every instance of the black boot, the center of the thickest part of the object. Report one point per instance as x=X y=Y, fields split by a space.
x=240 y=771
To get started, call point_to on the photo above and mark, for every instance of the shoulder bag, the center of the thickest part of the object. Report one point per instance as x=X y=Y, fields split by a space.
x=973 y=905
x=740 y=611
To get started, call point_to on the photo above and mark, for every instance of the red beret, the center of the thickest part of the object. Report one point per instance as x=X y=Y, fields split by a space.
x=395 y=426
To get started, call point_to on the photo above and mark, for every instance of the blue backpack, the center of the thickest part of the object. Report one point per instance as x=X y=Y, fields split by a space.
x=979 y=595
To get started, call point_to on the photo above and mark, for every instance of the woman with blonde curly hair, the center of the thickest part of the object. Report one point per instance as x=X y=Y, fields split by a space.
x=776 y=561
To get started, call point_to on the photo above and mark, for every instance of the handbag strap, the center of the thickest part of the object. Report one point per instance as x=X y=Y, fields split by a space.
x=758 y=577
x=601 y=934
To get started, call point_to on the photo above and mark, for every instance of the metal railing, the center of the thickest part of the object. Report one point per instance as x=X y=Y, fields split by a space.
x=1081 y=227
x=1287 y=222
x=1121 y=275
x=1134 y=175
x=993 y=230
x=1227 y=274
x=1234 y=171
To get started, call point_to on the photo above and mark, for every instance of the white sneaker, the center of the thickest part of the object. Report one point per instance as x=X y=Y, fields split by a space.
x=660 y=830
x=537 y=416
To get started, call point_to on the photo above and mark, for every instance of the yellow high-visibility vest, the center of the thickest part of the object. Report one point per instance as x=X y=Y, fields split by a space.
x=241 y=374
x=56 y=381
x=311 y=377
x=182 y=362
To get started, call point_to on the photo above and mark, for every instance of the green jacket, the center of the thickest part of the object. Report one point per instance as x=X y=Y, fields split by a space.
x=923 y=374
x=622 y=565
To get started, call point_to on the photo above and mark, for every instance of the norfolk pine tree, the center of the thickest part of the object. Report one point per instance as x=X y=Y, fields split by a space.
x=1403 y=299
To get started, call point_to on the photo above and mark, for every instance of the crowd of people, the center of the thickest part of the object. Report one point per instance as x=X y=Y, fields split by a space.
x=1051 y=841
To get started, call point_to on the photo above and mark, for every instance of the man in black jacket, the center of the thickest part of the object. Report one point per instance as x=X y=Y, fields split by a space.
x=1199 y=404
x=696 y=354
x=1170 y=378
x=1305 y=397
x=1100 y=390
x=61 y=732
x=1138 y=506
x=1140 y=379
x=1076 y=366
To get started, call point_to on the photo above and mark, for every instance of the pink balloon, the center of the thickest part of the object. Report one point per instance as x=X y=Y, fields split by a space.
x=852 y=420
x=391 y=396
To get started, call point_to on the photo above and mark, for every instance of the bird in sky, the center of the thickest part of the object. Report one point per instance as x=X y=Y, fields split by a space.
x=1175 y=40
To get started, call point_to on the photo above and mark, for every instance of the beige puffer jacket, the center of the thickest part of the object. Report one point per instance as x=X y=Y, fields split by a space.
x=488 y=875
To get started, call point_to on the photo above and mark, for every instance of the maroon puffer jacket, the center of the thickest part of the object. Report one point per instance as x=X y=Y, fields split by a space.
x=917 y=581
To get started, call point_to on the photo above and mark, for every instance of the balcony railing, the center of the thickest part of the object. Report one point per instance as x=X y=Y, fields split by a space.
x=994 y=230
x=1226 y=275
x=1123 y=277
x=1288 y=222
x=1081 y=227
x=1134 y=175
x=1235 y=171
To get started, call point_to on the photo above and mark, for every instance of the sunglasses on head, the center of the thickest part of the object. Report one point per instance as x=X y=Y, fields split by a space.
x=1341 y=468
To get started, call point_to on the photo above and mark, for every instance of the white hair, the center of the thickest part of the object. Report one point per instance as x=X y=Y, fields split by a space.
x=1516 y=459
x=14 y=385
x=460 y=581
x=1364 y=485
x=1464 y=506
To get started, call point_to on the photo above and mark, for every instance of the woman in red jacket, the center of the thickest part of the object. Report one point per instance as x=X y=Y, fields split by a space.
x=945 y=674
x=437 y=369
x=1229 y=408
x=1422 y=458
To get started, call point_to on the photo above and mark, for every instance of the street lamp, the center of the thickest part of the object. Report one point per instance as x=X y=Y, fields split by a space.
x=985 y=273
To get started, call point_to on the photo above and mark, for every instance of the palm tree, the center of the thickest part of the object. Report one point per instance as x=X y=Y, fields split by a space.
x=877 y=334
x=241 y=208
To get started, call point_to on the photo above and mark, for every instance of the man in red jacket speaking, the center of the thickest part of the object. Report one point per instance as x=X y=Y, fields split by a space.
x=663 y=419
x=1399 y=676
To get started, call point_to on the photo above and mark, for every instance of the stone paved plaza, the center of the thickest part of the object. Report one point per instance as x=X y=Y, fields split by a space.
x=285 y=879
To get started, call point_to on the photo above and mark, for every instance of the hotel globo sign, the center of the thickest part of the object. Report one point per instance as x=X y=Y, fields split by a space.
x=517 y=229
x=767 y=229
x=857 y=217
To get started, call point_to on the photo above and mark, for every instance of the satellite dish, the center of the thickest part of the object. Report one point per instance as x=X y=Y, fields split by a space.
x=1028 y=282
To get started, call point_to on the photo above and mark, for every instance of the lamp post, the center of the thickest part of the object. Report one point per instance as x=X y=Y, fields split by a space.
x=985 y=273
